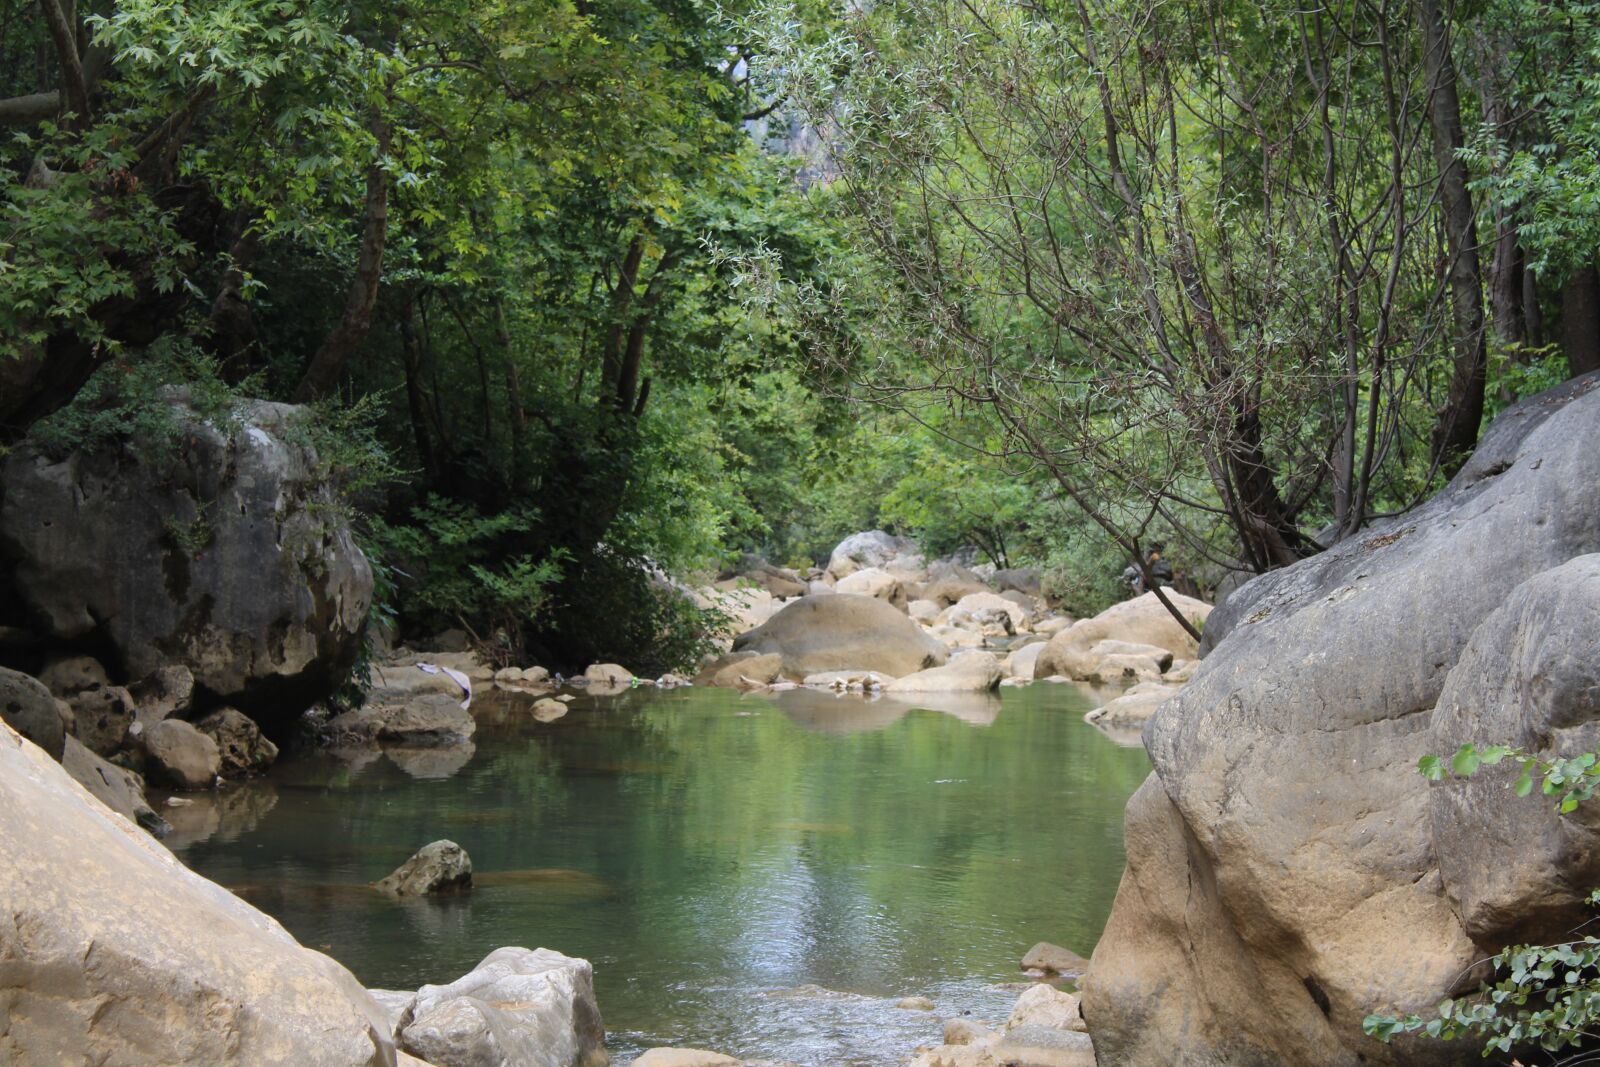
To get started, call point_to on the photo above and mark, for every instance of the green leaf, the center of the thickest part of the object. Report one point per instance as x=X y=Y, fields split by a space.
x=1465 y=761
x=1431 y=768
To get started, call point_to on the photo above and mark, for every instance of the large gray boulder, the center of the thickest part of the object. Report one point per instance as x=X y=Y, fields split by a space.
x=116 y=953
x=843 y=632
x=517 y=1008
x=1288 y=870
x=227 y=555
x=873 y=548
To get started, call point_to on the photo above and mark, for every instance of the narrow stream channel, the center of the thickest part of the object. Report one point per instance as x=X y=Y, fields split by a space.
x=763 y=876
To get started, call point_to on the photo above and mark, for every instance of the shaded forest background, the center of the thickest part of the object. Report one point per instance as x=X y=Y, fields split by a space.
x=587 y=295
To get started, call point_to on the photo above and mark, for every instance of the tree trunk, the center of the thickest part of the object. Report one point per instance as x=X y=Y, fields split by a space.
x=416 y=404
x=1580 y=321
x=351 y=330
x=74 y=84
x=1455 y=431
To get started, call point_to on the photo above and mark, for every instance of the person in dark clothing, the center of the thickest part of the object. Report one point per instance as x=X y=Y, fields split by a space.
x=1160 y=571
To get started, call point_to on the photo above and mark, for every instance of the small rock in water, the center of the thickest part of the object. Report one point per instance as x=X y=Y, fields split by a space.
x=440 y=867
x=966 y=1032
x=915 y=1004
x=683 y=1057
x=1047 y=957
x=548 y=710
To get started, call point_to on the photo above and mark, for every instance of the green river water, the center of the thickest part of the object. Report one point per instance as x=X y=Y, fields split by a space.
x=760 y=875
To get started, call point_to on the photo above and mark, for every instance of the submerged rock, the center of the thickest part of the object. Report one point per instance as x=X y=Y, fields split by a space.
x=684 y=1057
x=517 y=1008
x=439 y=867
x=1053 y=958
x=116 y=953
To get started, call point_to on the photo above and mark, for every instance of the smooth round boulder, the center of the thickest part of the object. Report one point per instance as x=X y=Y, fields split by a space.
x=843 y=632
x=115 y=953
x=28 y=708
x=73 y=674
x=179 y=755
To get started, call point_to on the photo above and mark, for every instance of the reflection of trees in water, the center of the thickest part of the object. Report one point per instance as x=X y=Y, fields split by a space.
x=676 y=840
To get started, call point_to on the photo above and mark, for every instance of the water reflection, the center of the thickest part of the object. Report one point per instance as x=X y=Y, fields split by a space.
x=825 y=711
x=764 y=884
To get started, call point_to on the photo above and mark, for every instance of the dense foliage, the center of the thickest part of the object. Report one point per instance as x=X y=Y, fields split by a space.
x=589 y=294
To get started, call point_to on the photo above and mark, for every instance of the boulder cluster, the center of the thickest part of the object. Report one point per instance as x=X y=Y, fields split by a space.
x=878 y=620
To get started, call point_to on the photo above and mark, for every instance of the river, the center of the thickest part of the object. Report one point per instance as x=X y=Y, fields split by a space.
x=760 y=875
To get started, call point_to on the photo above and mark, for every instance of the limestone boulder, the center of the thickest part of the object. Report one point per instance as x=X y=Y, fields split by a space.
x=1288 y=870
x=684 y=1057
x=924 y=611
x=745 y=671
x=1133 y=708
x=1045 y=1005
x=843 y=632
x=439 y=867
x=1025 y=580
x=102 y=717
x=28 y=708
x=870 y=581
x=974 y=604
x=164 y=692
x=424 y=719
x=240 y=744
x=1142 y=620
x=179 y=755
x=116 y=953
x=1020 y=663
x=608 y=675
x=230 y=557
x=969 y=672
x=1053 y=959
x=69 y=675
x=517 y=1008
x=119 y=789
x=947 y=584
x=874 y=548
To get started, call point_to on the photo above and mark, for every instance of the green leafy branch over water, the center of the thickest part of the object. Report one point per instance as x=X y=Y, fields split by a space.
x=1547 y=995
